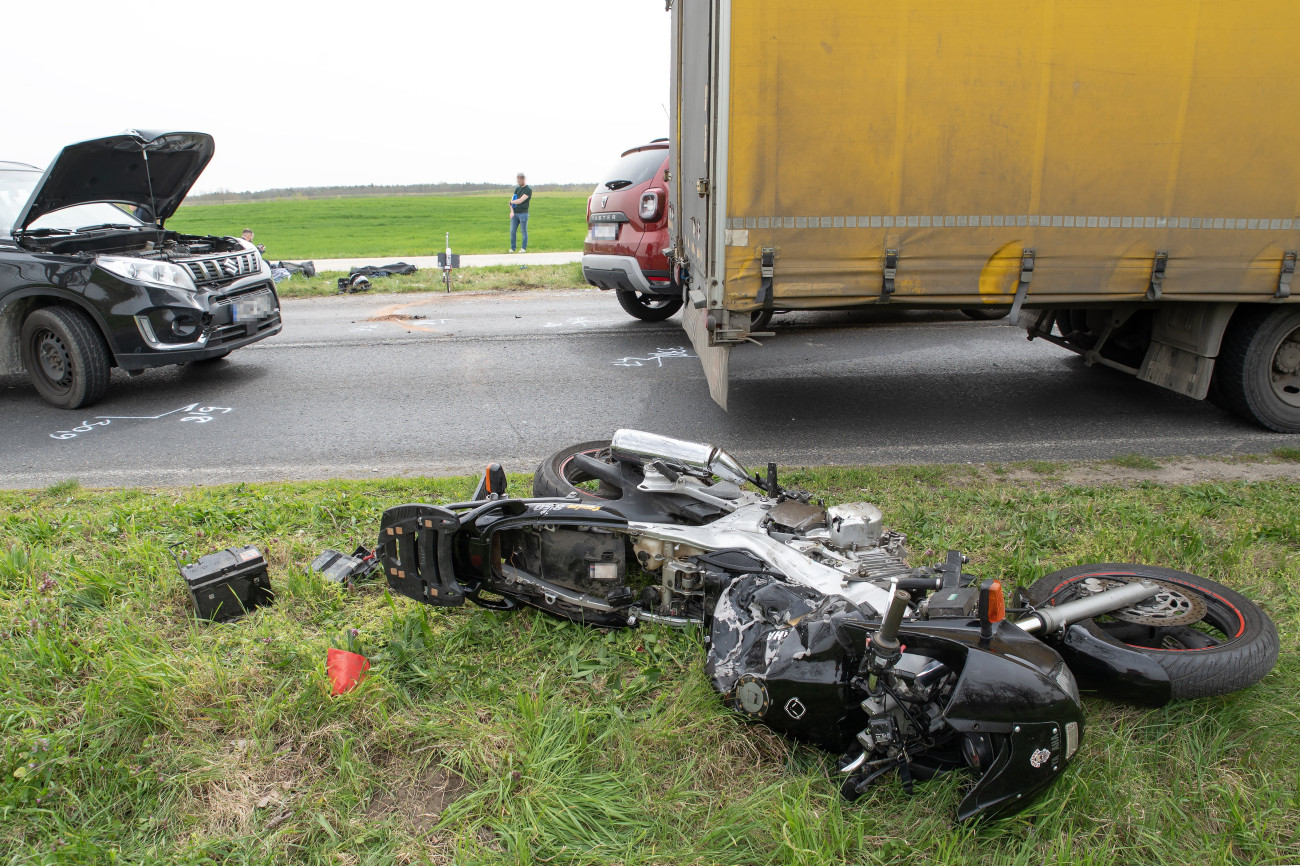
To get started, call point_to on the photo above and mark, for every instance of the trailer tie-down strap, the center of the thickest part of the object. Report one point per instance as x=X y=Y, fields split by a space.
x=1158 y=266
x=1022 y=285
x=766 y=297
x=888 y=275
x=1284 y=278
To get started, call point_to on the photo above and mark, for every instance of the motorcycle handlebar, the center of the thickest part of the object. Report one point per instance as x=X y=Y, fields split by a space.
x=885 y=640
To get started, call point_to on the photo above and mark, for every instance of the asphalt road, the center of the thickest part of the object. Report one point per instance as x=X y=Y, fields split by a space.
x=358 y=387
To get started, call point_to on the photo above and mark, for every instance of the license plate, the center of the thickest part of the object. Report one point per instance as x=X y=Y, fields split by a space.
x=604 y=231
x=251 y=308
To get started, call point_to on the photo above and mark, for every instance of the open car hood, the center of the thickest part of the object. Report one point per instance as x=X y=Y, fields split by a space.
x=121 y=169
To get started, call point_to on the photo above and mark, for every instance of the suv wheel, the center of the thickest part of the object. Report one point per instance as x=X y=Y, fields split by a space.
x=65 y=356
x=648 y=308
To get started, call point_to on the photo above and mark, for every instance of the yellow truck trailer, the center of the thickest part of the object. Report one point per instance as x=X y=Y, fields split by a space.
x=1128 y=173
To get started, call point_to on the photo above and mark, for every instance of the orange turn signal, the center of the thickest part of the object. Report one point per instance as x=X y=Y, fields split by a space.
x=997 y=604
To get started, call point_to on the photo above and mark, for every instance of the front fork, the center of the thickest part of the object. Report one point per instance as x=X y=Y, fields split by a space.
x=883 y=745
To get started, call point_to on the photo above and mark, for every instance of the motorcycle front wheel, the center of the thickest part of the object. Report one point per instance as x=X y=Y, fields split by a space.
x=1210 y=639
x=558 y=476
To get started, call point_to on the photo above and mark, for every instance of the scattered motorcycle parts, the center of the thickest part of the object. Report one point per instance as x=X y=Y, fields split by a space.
x=337 y=567
x=353 y=284
x=345 y=669
x=228 y=583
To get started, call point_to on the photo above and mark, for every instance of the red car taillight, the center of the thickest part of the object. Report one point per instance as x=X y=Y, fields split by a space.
x=652 y=202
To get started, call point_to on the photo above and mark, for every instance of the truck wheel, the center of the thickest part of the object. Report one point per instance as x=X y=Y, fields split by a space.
x=986 y=314
x=66 y=356
x=648 y=308
x=1258 y=370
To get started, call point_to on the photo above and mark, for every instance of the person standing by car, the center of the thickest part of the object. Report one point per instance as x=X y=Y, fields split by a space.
x=519 y=201
x=247 y=234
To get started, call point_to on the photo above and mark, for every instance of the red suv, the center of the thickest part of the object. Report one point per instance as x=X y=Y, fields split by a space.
x=627 y=219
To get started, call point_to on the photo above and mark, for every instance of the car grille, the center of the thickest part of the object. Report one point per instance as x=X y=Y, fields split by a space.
x=235 y=332
x=222 y=300
x=223 y=269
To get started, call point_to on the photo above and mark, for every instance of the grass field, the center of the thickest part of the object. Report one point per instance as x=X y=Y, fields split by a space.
x=394 y=226
x=131 y=733
x=489 y=278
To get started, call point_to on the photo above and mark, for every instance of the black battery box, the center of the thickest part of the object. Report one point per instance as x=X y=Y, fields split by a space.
x=953 y=602
x=227 y=584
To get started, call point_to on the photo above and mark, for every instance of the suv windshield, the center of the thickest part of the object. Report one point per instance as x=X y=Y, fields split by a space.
x=633 y=169
x=16 y=187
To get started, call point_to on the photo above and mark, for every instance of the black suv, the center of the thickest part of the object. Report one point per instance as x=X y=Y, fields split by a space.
x=90 y=279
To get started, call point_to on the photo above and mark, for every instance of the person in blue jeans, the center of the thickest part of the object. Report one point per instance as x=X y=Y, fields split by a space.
x=519 y=211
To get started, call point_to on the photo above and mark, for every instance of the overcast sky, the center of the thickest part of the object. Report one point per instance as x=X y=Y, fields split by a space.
x=325 y=93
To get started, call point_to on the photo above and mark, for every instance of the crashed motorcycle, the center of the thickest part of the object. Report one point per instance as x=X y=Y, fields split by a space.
x=815 y=623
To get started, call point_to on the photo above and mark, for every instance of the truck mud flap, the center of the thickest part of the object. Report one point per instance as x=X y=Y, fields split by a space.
x=716 y=360
x=414 y=551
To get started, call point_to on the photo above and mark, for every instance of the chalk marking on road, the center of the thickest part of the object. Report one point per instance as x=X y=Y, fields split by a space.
x=658 y=356
x=575 y=322
x=194 y=412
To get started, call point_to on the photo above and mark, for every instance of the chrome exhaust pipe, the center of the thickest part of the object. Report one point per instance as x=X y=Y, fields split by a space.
x=645 y=447
x=1050 y=619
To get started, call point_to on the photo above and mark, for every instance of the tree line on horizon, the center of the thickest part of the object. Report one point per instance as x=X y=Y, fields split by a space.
x=310 y=192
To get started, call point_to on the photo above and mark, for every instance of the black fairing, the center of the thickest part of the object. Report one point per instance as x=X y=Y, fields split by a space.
x=1005 y=690
x=1114 y=670
x=788 y=657
x=794 y=679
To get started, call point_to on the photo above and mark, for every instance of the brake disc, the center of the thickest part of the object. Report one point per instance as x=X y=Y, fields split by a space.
x=1172 y=605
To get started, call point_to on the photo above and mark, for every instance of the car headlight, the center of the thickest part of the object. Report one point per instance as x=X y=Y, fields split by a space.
x=164 y=274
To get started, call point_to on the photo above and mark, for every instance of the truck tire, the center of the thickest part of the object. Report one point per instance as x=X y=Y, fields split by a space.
x=1257 y=375
x=66 y=356
x=647 y=308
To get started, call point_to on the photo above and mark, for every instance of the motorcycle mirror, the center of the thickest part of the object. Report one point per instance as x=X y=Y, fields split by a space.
x=493 y=483
x=992 y=607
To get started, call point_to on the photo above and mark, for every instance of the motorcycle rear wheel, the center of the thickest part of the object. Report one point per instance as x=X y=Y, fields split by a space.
x=1232 y=645
x=557 y=476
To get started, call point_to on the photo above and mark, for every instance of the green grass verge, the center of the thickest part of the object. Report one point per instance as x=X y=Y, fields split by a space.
x=392 y=226
x=1135 y=461
x=133 y=733
x=489 y=278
